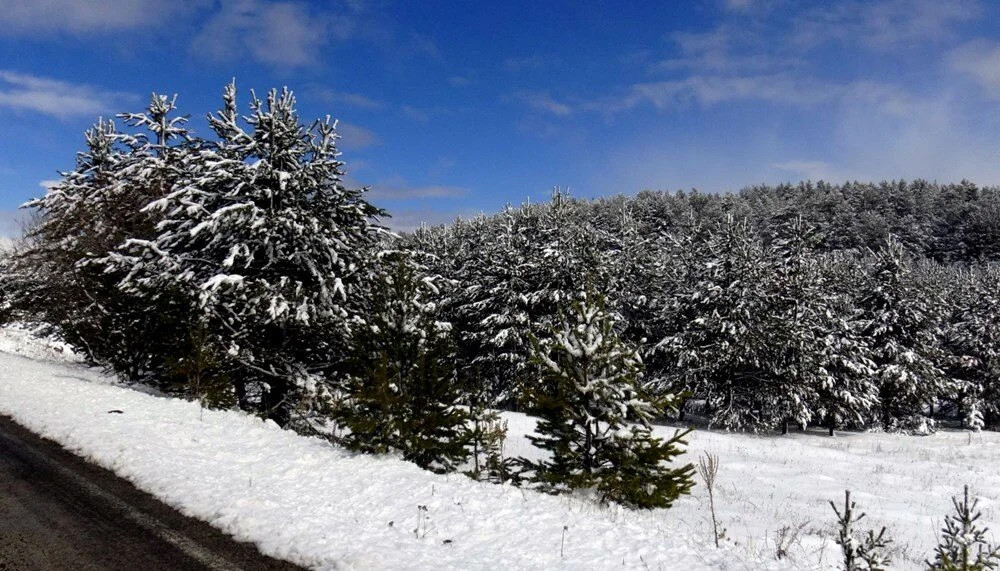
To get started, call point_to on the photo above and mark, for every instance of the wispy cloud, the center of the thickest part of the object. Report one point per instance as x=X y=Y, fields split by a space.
x=810 y=170
x=408 y=220
x=12 y=223
x=459 y=81
x=529 y=63
x=397 y=188
x=418 y=115
x=87 y=17
x=882 y=25
x=354 y=137
x=274 y=33
x=542 y=101
x=979 y=59
x=358 y=100
x=61 y=99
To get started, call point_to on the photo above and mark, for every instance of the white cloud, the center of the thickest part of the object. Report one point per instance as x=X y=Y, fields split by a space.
x=529 y=63
x=459 y=81
x=87 y=17
x=351 y=99
x=708 y=90
x=353 y=137
x=726 y=48
x=542 y=101
x=883 y=25
x=397 y=188
x=418 y=115
x=810 y=170
x=12 y=223
x=979 y=59
x=739 y=5
x=24 y=92
x=274 y=33
x=410 y=220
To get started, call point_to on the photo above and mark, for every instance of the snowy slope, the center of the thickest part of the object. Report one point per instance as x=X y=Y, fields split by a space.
x=306 y=501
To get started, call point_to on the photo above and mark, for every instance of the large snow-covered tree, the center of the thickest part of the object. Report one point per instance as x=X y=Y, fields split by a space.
x=61 y=274
x=901 y=327
x=265 y=240
x=724 y=343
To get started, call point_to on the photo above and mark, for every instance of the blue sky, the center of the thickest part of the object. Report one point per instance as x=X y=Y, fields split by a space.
x=452 y=108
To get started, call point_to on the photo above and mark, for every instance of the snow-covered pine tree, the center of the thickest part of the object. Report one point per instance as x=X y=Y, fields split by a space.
x=632 y=264
x=47 y=282
x=402 y=393
x=594 y=416
x=724 y=341
x=823 y=364
x=847 y=391
x=84 y=217
x=900 y=326
x=971 y=341
x=265 y=241
x=799 y=328
x=493 y=309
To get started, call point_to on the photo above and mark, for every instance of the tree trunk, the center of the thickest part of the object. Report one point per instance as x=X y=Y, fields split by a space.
x=240 y=387
x=275 y=403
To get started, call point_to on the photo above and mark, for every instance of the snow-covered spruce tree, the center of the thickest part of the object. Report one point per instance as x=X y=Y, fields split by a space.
x=964 y=545
x=402 y=392
x=900 y=326
x=265 y=241
x=861 y=551
x=800 y=329
x=724 y=340
x=633 y=266
x=823 y=363
x=61 y=273
x=847 y=391
x=45 y=277
x=493 y=311
x=594 y=416
x=971 y=342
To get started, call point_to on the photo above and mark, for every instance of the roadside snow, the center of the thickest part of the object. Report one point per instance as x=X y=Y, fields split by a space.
x=306 y=501
x=23 y=339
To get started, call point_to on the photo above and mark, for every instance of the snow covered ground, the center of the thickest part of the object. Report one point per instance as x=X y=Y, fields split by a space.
x=306 y=501
x=767 y=483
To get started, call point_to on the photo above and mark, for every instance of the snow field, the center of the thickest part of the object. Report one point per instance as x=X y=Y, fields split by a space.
x=766 y=483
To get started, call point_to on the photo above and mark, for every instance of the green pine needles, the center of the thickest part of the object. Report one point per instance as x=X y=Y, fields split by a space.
x=594 y=417
x=963 y=545
x=403 y=394
x=861 y=552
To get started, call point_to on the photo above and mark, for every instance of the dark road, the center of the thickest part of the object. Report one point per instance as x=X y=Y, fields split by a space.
x=58 y=512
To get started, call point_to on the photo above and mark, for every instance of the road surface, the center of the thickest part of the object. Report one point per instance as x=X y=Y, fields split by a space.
x=59 y=512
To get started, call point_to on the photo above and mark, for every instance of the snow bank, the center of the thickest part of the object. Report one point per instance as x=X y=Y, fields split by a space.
x=306 y=501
